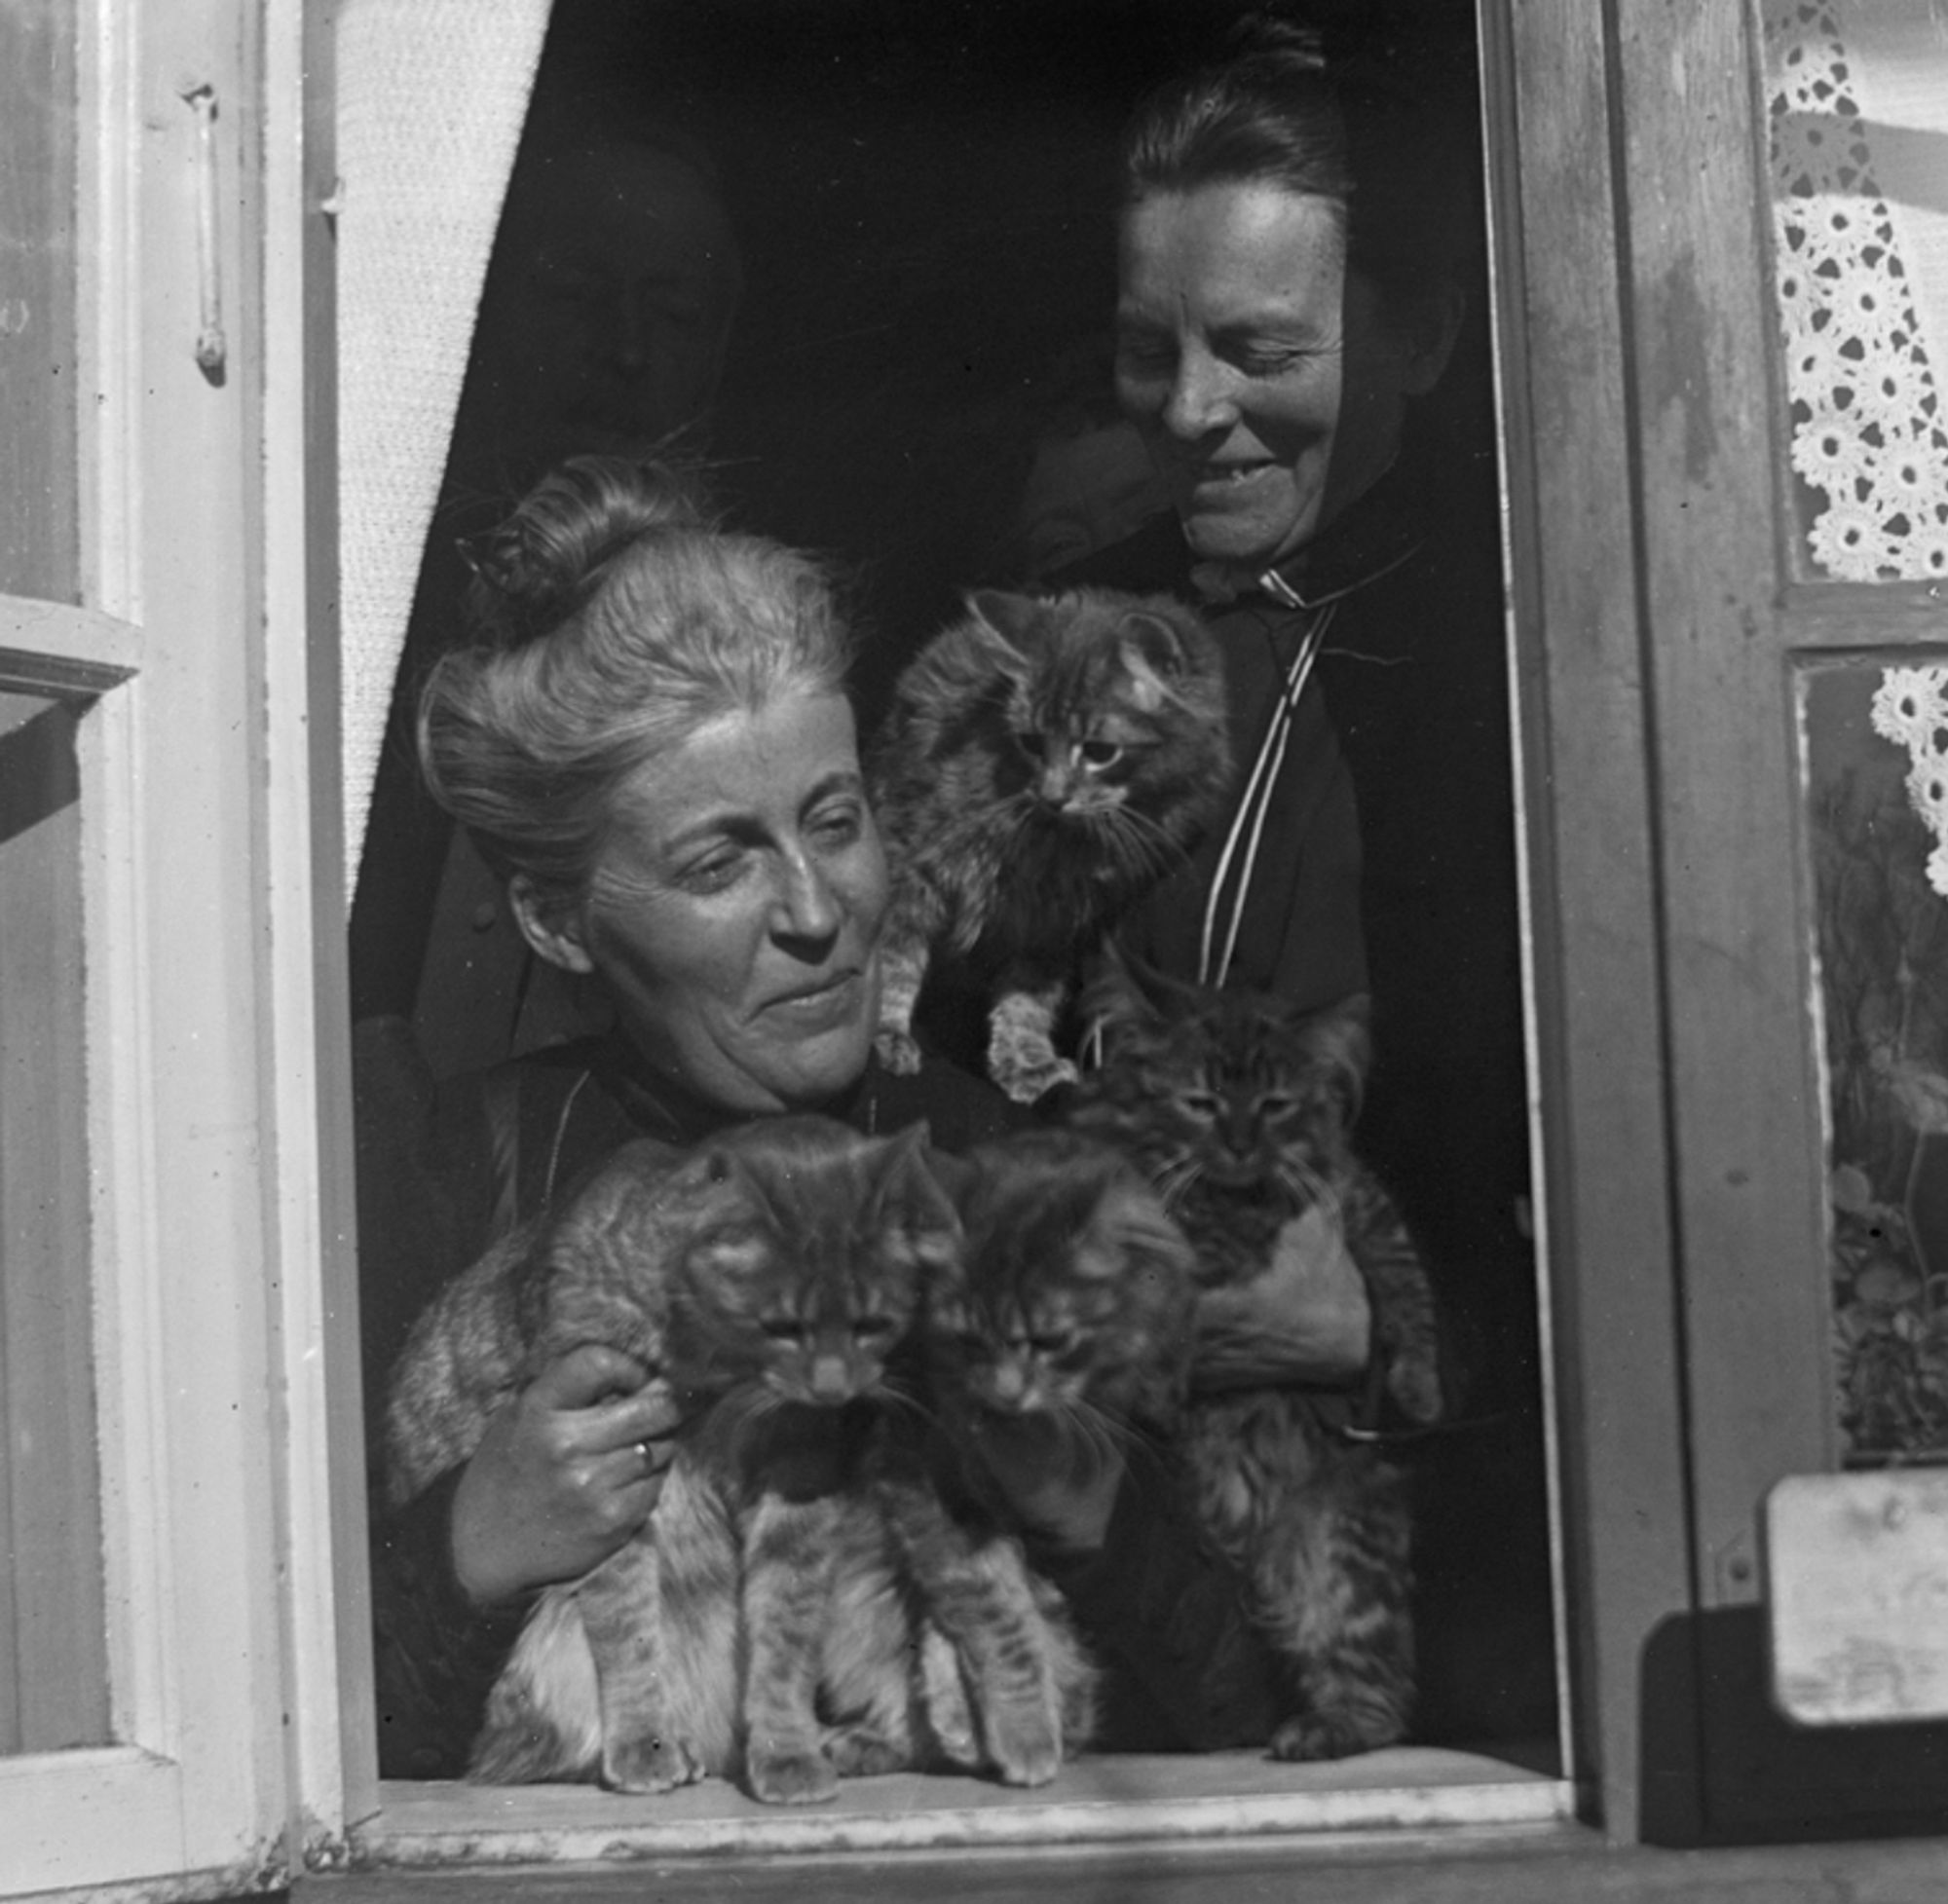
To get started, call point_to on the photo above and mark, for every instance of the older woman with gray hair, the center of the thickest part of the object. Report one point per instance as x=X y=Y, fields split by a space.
x=650 y=743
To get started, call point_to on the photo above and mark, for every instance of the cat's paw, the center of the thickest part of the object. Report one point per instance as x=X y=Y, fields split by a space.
x=1024 y=1747
x=944 y=1696
x=1414 y=1383
x=791 y=1775
x=864 y=1751
x=649 y=1765
x=897 y=1051
x=1026 y=1080
x=1333 y=1734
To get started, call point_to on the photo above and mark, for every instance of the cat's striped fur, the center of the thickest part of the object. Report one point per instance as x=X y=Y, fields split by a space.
x=1043 y=762
x=799 y=1606
x=1239 y=1109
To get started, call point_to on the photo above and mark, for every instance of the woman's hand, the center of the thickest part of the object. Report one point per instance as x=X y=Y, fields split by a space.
x=565 y=1473
x=1306 y=1318
x=1060 y=1482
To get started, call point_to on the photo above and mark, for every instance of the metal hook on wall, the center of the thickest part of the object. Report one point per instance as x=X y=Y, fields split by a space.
x=211 y=349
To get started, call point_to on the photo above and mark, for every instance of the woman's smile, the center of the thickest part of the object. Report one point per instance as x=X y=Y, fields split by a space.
x=1261 y=374
x=823 y=1006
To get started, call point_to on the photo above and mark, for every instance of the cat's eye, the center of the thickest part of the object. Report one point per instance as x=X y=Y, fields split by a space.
x=872 y=1328
x=783 y=1329
x=1277 y=1106
x=1030 y=743
x=1101 y=753
x=1199 y=1104
x=1052 y=1342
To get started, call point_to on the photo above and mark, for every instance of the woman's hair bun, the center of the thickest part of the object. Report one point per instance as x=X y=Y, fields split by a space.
x=1298 y=44
x=533 y=571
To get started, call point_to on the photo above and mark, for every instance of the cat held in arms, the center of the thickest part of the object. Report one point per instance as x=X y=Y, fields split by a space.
x=1239 y=1107
x=1044 y=762
x=799 y=1606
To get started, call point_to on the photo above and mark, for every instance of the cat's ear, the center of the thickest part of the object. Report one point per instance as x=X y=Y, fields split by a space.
x=553 y=928
x=1124 y=995
x=1130 y=1229
x=1008 y=616
x=1151 y=647
x=1342 y=1037
x=728 y=1252
x=728 y=1239
x=911 y=1207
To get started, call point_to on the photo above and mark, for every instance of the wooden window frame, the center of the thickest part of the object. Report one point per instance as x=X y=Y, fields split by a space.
x=1591 y=1103
x=1641 y=439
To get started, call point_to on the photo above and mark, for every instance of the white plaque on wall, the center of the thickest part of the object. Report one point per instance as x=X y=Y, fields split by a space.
x=1856 y=1595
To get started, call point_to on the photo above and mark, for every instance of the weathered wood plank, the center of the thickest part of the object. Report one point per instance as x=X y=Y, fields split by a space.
x=1750 y=1166
x=1595 y=965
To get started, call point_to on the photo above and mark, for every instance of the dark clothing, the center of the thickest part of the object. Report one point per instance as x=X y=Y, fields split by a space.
x=444 y=1171
x=1387 y=863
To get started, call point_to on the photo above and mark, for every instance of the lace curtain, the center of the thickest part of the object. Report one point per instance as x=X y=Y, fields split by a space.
x=1858 y=98
x=1860 y=124
x=431 y=96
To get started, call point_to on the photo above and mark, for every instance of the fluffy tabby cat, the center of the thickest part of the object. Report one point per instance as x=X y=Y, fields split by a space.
x=798 y=1603
x=1044 y=763
x=1072 y=1296
x=1238 y=1108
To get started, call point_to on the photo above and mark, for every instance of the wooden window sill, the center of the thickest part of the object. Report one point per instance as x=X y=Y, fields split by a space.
x=1106 y=1801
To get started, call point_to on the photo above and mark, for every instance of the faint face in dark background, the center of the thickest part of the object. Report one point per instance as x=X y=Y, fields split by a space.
x=615 y=285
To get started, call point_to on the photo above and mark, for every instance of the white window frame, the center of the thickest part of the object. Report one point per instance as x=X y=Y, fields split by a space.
x=200 y=1159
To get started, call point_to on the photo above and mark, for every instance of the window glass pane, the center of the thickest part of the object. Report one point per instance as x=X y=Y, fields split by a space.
x=1858 y=98
x=38 y=510
x=53 y=1688
x=1879 y=794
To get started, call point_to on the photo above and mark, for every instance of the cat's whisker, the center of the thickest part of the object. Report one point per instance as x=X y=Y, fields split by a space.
x=742 y=1413
x=1108 y=1435
x=1148 y=847
x=1308 y=1188
x=899 y=1399
x=1176 y=1182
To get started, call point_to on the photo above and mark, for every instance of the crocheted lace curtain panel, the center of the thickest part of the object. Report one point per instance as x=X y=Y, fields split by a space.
x=1858 y=97
x=431 y=96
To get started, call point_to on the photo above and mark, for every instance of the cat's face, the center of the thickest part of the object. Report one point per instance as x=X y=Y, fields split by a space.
x=803 y=1278
x=1020 y=1351
x=1071 y=1278
x=1233 y=1093
x=1110 y=705
x=1080 y=735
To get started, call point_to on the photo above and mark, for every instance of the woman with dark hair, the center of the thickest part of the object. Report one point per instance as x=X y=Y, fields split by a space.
x=1296 y=230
